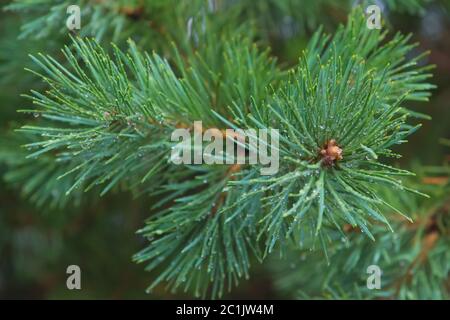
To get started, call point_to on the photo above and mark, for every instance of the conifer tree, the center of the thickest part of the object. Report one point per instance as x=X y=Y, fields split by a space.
x=104 y=100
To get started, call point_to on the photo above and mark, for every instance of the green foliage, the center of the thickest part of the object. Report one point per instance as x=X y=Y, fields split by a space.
x=342 y=91
x=413 y=259
x=51 y=16
x=121 y=19
x=105 y=122
x=95 y=148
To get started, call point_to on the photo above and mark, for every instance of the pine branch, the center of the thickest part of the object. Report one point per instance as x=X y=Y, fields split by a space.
x=339 y=112
x=412 y=260
x=340 y=97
